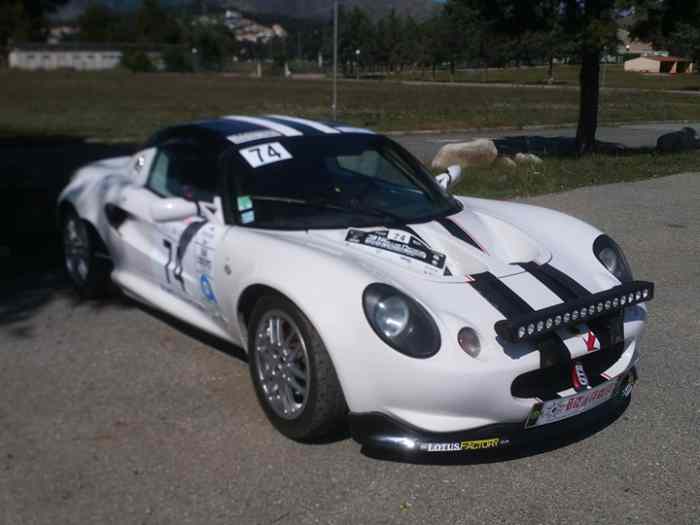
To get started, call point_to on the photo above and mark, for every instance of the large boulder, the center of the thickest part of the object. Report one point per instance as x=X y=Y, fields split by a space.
x=506 y=162
x=682 y=140
x=527 y=158
x=480 y=152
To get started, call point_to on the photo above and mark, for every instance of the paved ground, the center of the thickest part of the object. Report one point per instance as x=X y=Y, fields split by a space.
x=112 y=414
x=632 y=136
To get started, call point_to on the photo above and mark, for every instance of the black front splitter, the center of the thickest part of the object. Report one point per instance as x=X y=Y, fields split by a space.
x=382 y=434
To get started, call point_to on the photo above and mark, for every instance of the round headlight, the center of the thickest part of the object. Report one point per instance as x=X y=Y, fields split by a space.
x=610 y=255
x=400 y=321
x=391 y=316
x=609 y=259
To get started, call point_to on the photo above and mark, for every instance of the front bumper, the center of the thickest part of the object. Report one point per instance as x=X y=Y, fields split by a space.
x=381 y=433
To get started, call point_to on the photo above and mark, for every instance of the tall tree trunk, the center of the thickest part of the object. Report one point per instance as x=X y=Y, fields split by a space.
x=590 y=99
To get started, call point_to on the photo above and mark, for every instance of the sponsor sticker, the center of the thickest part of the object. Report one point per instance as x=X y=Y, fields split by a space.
x=460 y=446
x=564 y=408
x=245 y=203
x=207 y=290
x=247 y=217
x=592 y=342
x=265 y=154
x=398 y=242
x=579 y=379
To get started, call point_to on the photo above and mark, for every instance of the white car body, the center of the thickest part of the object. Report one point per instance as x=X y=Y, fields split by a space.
x=324 y=274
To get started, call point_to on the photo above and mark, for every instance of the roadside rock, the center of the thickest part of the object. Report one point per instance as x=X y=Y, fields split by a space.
x=683 y=140
x=506 y=162
x=480 y=152
x=527 y=158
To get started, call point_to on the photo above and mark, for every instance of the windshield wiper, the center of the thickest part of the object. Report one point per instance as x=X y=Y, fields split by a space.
x=330 y=205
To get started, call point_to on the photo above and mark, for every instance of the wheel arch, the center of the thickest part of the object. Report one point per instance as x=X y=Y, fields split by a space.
x=64 y=208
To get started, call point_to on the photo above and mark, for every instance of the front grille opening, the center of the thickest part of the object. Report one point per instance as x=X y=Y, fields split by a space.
x=544 y=383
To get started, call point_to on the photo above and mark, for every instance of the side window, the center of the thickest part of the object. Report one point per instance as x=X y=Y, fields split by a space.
x=183 y=170
x=158 y=181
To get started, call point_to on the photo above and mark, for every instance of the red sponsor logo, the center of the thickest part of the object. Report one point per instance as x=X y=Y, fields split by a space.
x=579 y=379
x=577 y=403
x=590 y=342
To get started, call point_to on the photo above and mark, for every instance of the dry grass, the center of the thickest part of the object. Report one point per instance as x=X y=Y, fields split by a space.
x=120 y=105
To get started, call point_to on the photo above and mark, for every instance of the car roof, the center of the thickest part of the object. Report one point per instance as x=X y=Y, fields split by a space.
x=241 y=131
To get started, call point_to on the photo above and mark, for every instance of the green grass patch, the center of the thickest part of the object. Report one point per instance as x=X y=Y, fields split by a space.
x=118 y=105
x=562 y=174
x=612 y=76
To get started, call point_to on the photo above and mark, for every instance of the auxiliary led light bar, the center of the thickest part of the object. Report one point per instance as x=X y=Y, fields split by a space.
x=542 y=322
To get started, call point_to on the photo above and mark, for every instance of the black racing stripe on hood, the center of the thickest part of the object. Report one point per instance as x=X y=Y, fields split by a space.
x=609 y=331
x=500 y=296
x=413 y=232
x=552 y=349
x=557 y=281
x=458 y=232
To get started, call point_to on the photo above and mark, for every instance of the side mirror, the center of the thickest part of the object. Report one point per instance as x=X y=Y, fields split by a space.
x=175 y=209
x=450 y=178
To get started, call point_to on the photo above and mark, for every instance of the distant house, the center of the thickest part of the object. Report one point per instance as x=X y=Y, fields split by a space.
x=83 y=57
x=78 y=56
x=660 y=64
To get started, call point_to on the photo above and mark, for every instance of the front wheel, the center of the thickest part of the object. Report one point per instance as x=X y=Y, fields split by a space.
x=293 y=375
x=87 y=270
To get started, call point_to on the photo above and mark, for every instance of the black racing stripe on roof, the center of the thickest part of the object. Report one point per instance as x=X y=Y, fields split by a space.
x=552 y=349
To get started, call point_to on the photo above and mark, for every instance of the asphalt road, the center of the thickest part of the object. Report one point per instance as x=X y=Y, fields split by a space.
x=541 y=141
x=112 y=414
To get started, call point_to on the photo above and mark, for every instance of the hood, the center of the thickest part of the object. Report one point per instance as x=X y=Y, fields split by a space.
x=446 y=250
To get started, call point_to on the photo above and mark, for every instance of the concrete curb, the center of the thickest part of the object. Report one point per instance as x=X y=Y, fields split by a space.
x=537 y=127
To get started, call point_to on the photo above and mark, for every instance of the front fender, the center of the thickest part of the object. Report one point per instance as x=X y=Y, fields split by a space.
x=568 y=239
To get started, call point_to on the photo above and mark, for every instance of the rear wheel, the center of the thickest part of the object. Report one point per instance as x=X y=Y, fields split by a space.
x=294 y=378
x=88 y=271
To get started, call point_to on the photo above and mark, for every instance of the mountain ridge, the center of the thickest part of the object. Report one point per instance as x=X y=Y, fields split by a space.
x=301 y=9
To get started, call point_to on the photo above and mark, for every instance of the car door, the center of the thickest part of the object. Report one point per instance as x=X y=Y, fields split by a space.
x=183 y=254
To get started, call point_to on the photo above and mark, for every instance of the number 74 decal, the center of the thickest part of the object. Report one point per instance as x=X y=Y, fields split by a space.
x=176 y=256
x=265 y=154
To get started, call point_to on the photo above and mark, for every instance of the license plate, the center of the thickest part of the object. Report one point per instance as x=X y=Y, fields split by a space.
x=564 y=408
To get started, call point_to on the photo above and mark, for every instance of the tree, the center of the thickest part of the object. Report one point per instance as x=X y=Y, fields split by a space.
x=155 y=24
x=25 y=19
x=589 y=24
x=670 y=24
x=98 y=23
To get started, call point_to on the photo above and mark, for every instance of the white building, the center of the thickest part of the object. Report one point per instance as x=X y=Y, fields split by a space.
x=80 y=57
x=658 y=64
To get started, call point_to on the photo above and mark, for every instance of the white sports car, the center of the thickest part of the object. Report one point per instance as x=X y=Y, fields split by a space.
x=359 y=286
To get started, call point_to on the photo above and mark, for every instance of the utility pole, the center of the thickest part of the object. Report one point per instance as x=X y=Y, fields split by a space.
x=335 y=59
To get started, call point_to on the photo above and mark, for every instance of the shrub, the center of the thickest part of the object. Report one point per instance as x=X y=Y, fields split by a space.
x=137 y=62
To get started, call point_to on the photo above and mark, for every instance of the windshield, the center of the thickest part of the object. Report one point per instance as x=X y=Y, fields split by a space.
x=333 y=181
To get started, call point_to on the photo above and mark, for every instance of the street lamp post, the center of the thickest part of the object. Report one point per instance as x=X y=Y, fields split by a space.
x=357 y=63
x=335 y=59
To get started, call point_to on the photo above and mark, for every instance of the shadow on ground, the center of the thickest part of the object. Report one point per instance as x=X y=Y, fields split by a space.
x=33 y=172
x=558 y=146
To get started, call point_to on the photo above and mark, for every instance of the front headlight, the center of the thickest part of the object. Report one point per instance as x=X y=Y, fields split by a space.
x=400 y=321
x=610 y=255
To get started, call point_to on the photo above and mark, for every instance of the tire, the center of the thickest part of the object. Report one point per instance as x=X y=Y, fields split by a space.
x=302 y=363
x=87 y=270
